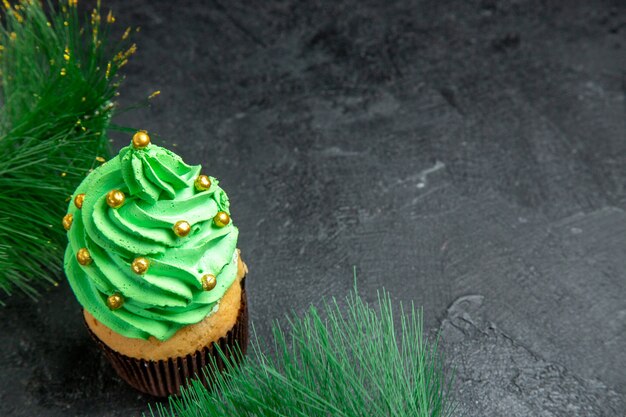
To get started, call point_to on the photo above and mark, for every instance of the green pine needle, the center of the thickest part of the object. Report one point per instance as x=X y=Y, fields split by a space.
x=333 y=362
x=58 y=81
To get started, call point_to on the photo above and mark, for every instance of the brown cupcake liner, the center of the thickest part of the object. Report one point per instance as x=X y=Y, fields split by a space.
x=166 y=377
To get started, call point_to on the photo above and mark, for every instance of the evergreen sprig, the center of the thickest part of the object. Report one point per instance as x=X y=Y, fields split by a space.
x=330 y=363
x=58 y=83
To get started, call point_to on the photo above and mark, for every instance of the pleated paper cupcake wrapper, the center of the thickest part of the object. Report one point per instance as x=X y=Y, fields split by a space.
x=166 y=377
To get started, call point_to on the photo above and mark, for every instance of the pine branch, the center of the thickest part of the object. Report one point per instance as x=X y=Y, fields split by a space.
x=336 y=362
x=59 y=80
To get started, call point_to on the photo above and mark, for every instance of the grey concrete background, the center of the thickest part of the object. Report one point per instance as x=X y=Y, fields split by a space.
x=467 y=155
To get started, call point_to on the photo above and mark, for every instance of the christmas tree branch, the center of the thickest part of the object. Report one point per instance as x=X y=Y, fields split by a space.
x=342 y=362
x=58 y=82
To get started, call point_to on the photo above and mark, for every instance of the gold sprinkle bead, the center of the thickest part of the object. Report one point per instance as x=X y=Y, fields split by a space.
x=208 y=282
x=78 y=200
x=115 y=301
x=67 y=221
x=140 y=265
x=202 y=183
x=115 y=198
x=182 y=228
x=83 y=257
x=141 y=140
x=221 y=219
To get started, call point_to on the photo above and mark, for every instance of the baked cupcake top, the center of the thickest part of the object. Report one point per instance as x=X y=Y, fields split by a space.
x=151 y=245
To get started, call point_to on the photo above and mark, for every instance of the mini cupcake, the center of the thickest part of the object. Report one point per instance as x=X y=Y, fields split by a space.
x=153 y=260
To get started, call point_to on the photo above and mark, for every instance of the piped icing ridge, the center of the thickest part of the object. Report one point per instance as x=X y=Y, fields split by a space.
x=133 y=266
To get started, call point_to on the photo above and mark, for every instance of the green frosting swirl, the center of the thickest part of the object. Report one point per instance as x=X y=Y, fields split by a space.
x=159 y=189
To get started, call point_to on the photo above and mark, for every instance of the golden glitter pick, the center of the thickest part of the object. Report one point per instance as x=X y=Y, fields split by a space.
x=140 y=265
x=115 y=199
x=121 y=56
x=83 y=257
x=95 y=18
x=153 y=95
x=141 y=139
x=221 y=219
x=115 y=301
x=202 y=183
x=209 y=281
x=182 y=228
x=78 y=200
x=67 y=221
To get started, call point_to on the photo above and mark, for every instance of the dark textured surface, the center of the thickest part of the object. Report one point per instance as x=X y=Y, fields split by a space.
x=469 y=156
